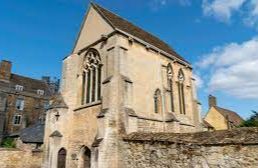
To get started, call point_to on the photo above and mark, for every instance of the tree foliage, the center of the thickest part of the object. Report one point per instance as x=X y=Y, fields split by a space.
x=252 y=121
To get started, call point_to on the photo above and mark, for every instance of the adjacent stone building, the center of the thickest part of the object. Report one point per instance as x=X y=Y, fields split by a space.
x=28 y=152
x=118 y=79
x=22 y=99
x=218 y=118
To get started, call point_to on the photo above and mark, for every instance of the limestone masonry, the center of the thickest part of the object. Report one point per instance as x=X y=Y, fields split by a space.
x=121 y=89
x=227 y=149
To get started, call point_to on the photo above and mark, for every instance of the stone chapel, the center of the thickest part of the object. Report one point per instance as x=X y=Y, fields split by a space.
x=119 y=79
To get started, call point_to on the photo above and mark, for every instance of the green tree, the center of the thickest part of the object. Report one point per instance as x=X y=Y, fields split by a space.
x=252 y=121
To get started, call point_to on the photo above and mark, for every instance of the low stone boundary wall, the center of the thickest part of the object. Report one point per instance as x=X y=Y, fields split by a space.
x=16 y=158
x=219 y=149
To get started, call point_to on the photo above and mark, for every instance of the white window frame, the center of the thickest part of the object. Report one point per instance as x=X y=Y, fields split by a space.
x=14 y=119
x=19 y=88
x=21 y=107
x=40 y=92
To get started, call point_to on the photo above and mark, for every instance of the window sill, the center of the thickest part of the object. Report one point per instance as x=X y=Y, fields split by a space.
x=88 y=105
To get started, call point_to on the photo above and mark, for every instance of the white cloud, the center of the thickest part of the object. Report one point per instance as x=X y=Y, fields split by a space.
x=254 y=6
x=157 y=4
x=184 y=2
x=233 y=69
x=252 y=18
x=198 y=81
x=221 y=9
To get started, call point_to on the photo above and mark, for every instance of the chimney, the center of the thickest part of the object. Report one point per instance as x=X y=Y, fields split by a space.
x=5 y=70
x=212 y=101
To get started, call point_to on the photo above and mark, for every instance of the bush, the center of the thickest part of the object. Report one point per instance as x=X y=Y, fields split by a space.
x=8 y=143
x=252 y=121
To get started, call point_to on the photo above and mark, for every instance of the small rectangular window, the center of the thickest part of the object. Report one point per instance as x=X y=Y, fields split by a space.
x=40 y=92
x=46 y=105
x=17 y=119
x=19 y=104
x=19 y=88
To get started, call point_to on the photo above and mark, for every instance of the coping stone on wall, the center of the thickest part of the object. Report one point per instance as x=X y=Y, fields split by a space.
x=242 y=136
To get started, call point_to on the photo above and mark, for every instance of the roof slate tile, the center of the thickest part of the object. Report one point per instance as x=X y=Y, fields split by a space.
x=126 y=26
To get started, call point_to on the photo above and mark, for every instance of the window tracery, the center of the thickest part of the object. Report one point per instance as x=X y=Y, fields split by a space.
x=91 y=77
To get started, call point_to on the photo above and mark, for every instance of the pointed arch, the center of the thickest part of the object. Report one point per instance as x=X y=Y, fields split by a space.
x=157 y=101
x=61 y=159
x=91 y=82
x=85 y=157
x=181 y=96
x=170 y=85
x=169 y=71
x=181 y=75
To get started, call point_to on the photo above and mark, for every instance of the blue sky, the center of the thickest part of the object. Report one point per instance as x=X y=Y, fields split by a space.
x=219 y=37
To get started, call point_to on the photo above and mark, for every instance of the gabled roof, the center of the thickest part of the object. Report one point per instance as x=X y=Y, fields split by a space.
x=33 y=134
x=119 y=23
x=231 y=116
x=206 y=124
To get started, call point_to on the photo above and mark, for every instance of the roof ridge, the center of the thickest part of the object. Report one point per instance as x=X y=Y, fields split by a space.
x=226 y=109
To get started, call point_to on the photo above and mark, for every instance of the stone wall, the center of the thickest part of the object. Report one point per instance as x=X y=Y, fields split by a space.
x=220 y=149
x=16 y=158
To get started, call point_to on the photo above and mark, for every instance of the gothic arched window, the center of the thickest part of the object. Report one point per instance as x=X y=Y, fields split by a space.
x=85 y=158
x=91 y=77
x=61 y=159
x=170 y=85
x=157 y=101
x=181 y=79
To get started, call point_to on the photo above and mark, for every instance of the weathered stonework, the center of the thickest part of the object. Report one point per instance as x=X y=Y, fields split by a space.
x=16 y=158
x=160 y=155
x=228 y=149
x=131 y=74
